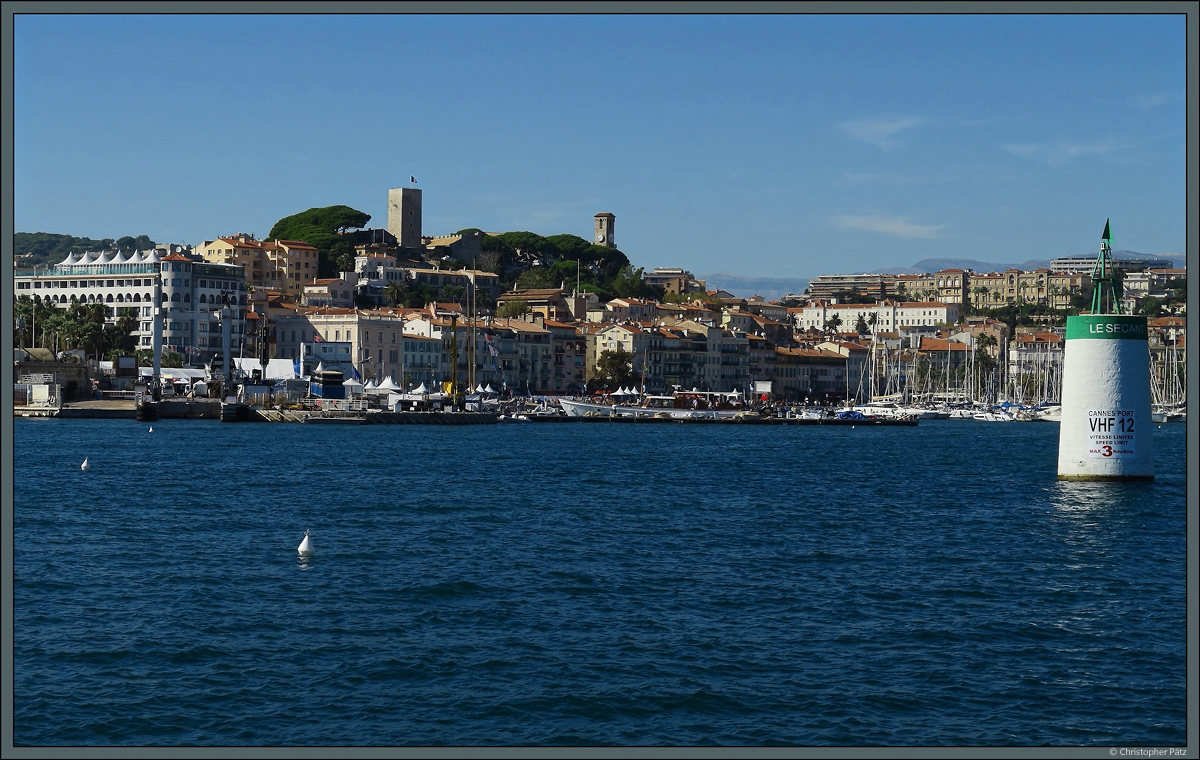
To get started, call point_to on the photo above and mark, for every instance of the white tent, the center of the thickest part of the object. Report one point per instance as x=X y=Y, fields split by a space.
x=488 y=389
x=421 y=389
x=388 y=384
x=277 y=369
x=351 y=383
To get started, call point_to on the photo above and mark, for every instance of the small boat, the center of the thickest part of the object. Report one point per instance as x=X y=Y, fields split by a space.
x=684 y=405
x=1000 y=416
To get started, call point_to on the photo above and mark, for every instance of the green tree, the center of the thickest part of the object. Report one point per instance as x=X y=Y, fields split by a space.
x=513 y=309
x=628 y=283
x=167 y=359
x=322 y=228
x=45 y=248
x=535 y=277
x=1152 y=307
x=860 y=326
x=396 y=292
x=131 y=244
x=569 y=246
x=614 y=369
x=832 y=324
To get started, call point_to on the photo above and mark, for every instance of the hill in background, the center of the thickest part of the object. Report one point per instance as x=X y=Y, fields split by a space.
x=774 y=288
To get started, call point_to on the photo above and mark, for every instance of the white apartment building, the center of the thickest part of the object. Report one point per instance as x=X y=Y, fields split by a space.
x=889 y=315
x=191 y=292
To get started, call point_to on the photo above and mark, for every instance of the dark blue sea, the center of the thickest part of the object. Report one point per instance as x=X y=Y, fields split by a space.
x=590 y=584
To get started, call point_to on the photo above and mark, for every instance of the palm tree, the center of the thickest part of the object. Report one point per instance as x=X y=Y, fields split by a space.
x=833 y=323
x=395 y=292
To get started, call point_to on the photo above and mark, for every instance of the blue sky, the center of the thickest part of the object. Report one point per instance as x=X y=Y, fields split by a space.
x=765 y=145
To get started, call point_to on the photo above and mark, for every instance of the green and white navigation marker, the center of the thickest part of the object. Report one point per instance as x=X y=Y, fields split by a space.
x=1106 y=430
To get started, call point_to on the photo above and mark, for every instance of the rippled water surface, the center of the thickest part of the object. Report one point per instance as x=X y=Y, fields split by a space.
x=581 y=584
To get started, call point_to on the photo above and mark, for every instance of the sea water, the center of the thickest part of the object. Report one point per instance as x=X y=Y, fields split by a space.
x=590 y=584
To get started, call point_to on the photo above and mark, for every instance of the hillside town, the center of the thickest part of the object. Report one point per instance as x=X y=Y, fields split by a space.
x=259 y=307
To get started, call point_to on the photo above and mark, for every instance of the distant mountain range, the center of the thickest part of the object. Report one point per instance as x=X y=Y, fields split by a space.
x=774 y=288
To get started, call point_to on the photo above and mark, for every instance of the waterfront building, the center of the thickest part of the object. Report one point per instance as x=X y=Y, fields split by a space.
x=509 y=354
x=856 y=376
x=271 y=264
x=887 y=315
x=568 y=347
x=681 y=354
x=812 y=375
x=378 y=342
x=725 y=363
x=761 y=359
x=192 y=294
x=634 y=340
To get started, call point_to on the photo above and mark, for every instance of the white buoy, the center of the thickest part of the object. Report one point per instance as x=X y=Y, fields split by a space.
x=1106 y=431
x=305 y=545
x=85 y=466
x=151 y=430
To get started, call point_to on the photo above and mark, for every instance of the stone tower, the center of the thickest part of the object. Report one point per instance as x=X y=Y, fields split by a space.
x=605 y=224
x=404 y=216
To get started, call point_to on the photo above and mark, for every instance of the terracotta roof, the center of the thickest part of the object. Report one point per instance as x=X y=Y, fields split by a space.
x=938 y=344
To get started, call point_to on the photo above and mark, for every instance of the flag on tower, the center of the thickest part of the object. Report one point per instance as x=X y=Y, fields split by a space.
x=412 y=179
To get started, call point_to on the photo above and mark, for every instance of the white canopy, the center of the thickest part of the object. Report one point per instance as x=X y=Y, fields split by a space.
x=351 y=382
x=370 y=385
x=388 y=384
x=277 y=369
x=182 y=374
x=421 y=389
x=488 y=389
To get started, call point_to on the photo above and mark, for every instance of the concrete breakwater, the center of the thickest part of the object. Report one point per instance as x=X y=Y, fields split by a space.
x=167 y=409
